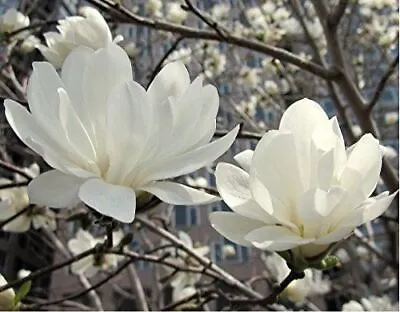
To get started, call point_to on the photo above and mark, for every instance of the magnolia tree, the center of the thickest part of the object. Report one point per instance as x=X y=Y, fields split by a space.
x=105 y=128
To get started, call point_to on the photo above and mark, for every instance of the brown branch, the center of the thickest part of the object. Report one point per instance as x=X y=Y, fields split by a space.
x=12 y=185
x=14 y=169
x=15 y=216
x=382 y=83
x=335 y=17
x=126 y=16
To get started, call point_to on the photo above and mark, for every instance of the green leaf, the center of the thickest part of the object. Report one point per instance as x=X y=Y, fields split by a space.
x=22 y=292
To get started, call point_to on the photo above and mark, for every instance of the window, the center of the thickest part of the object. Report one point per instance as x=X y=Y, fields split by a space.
x=221 y=206
x=186 y=216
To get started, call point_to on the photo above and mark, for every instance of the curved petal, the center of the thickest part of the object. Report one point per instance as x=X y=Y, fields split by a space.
x=179 y=194
x=18 y=225
x=55 y=189
x=234 y=226
x=275 y=238
x=192 y=160
x=186 y=239
x=276 y=166
x=118 y=202
x=368 y=167
x=172 y=80
x=244 y=159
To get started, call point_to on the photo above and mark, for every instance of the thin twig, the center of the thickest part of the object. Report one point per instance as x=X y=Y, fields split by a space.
x=382 y=83
x=335 y=17
x=137 y=288
x=15 y=216
x=12 y=185
x=14 y=169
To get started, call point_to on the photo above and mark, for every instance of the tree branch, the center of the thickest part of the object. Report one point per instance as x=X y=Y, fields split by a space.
x=126 y=16
x=11 y=168
x=335 y=17
x=382 y=83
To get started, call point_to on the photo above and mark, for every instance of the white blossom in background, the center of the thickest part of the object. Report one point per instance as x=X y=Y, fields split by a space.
x=357 y=131
x=371 y=303
x=154 y=8
x=130 y=49
x=29 y=44
x=391 y=118
x=249 y=106
x=198 y=181
x=220 y=12
x=297 y=291
x=13 y=20
x=182 y=280
x=183 y=54
x=90 y=30
x=105 y=135
x=300 y=190
x=23 y=273
x=249 y=76
x=214 y=63
x=389 y=152
x=90 y=265
x=14 y=200
x=6 y=296
x=228 y=251
x=175 y=13
x=271 y=87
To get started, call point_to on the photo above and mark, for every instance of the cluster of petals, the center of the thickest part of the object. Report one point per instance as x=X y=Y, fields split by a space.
x=90 y=265
x=90 y=30
x=15 y=199
x=109 y=139
x=301 y=189
x=13 y=20
x=298 y=290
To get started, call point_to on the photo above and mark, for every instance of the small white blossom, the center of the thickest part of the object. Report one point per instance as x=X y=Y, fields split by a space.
x=371 y=304
x=220 y=12
x=105 y=135
x=271 y=87
x=153 y=8
x=323 y=193
x=130 y=49
x=391 y=118
x=214 y=63
x=14 y=20
x=6 y=296
x=90 y=30
x=357 y=131
x=14 y=200
x=29 y=44
x=249 y=76
x=228 y=251
x=92 y=264
x=388 y=152
x=183 y=54
x=298 y=290
x=175 y=13
x=23 y=273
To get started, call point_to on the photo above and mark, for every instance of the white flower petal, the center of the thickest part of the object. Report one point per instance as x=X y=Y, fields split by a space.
x=186 y=239
x=234 y=226
x=55 y=189
x=275 y=238
x=178 y=194
x=244 y=159
x=163 y=86
x=118 y=202
x=193 y=159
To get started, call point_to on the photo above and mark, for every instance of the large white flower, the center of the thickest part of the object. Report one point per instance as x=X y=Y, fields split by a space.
x=6 y=296
x=14 y=20
x=111 y=140
x=300 y=190
x=91 y=265
x=14 y=200
x=298 y=290
x=90 y=30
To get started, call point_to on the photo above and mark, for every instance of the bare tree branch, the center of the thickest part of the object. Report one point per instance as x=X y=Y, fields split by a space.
x=335 y=17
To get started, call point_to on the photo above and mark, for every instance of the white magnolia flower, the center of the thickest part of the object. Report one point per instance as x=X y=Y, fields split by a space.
x=182 y=279
x=106 y=136
x=14 y=20
x=14 y=200
x=220 y=11
x=388 y=152
x=271 y=87
x=391 y=118
x=153 y=8
x=130 y=49
x=298 y=290
x=175 y=13
x=300 y=190
x=6 y=296
x=90 y=265
x=90 y=30
x=371 y=304
x=23 y=273
x=29 y=44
